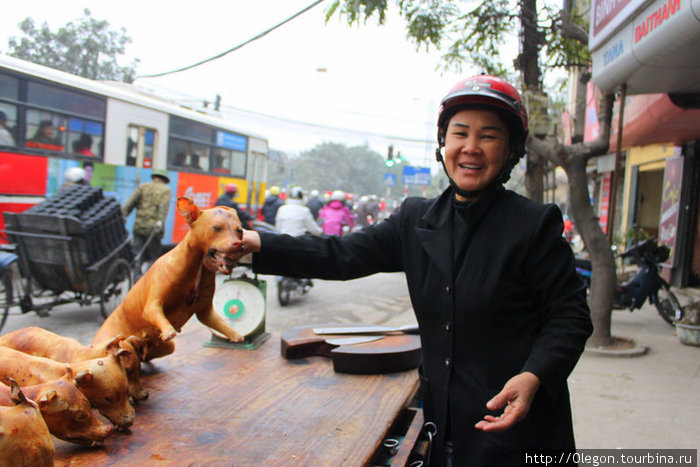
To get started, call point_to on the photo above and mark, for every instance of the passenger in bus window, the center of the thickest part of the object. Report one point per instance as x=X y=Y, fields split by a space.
x=84 y=145
x=6 y=138
x=194 y=161
x=130 y=152
x=180 y=158
x=45 y=137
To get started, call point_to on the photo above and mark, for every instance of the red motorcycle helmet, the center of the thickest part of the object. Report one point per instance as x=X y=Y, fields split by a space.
x=485 y=91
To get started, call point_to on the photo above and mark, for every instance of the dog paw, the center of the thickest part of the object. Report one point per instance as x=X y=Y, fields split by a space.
x=235 y=338
x=166 y=337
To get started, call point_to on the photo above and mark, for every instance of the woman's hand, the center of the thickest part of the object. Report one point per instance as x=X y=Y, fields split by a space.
x=516 y=396
x=250 y=243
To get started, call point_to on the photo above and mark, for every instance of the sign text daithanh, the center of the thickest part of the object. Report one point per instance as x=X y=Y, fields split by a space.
x=656 y=18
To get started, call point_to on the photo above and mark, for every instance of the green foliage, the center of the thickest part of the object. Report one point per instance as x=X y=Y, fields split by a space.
x=476 y=36
x=356 y=10
x=86 y=48
x=560 y=51
x=333 y=166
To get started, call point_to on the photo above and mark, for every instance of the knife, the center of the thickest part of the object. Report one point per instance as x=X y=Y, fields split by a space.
x=352 y=340
x=407 y=329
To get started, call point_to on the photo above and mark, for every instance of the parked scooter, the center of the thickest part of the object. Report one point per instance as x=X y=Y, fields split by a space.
x=646 y=283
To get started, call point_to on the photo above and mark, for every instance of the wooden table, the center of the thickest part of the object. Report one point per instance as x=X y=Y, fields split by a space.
x=224 y=407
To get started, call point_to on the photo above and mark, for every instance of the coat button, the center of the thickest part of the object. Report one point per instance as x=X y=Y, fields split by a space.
x=448 y=289
x=447 y=327
x=447 y=361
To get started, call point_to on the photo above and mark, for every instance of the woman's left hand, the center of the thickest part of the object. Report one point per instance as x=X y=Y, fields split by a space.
x=516 y=396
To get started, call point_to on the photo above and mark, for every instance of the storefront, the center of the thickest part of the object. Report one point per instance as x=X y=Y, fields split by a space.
x=647 y=49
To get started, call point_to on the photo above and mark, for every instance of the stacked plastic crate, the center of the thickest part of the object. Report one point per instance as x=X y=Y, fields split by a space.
x=63 y=235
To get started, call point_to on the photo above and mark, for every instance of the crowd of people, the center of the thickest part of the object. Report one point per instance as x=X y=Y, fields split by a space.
x=336 y=212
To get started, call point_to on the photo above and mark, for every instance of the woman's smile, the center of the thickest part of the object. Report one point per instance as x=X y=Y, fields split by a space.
x=476 y=147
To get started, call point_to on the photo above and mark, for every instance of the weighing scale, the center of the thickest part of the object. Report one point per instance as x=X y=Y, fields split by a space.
x=241 y=302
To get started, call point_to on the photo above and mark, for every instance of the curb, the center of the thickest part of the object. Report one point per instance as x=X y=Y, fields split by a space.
x=626 y=348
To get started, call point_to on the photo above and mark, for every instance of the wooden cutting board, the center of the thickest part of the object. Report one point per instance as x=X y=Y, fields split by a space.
x=390 y=354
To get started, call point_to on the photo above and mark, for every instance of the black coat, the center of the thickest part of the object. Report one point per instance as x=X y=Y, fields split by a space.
x=511 y=303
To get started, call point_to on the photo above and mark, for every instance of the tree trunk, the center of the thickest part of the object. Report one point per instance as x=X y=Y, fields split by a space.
x=604 y=278
x=528 y=64
x=534 y=176
x=574 y=159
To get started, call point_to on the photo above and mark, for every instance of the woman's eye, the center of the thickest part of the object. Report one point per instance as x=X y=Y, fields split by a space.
x=216 y=228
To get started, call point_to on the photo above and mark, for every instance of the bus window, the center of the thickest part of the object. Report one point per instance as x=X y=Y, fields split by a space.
x=8 y=124
x=48 y=96
x=199 y=157
x=85 y=137
x=9 y=89
x=221 y=161
x=45 y=130
x=140 y=146
x=238 y=164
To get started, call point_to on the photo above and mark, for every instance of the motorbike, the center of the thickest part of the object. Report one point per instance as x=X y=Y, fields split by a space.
x=287 y=287
x=646 y=283
x=290 y=286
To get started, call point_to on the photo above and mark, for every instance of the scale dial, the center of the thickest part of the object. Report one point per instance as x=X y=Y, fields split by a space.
x=242 y=304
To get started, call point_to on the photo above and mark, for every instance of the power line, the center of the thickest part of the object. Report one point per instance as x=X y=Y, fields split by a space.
x=329 y=127
x=215 y=57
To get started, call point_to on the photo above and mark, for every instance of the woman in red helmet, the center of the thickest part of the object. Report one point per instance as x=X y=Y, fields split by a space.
x=502 y=315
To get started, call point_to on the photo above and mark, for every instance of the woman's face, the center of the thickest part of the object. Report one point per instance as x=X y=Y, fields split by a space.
x=476 y=147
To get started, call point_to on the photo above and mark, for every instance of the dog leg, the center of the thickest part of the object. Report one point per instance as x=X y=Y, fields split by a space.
x=160 y=349
x=213 y=320
x=153 y=313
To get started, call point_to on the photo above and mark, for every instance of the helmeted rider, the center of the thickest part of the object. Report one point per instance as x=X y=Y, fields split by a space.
x=314 y=203
x=272 y=204
x=294 y=218
x=336 y=215
x=73 y=176
x=227 y=199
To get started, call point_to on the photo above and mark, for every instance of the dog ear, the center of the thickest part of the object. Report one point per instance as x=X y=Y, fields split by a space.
x=187 y=209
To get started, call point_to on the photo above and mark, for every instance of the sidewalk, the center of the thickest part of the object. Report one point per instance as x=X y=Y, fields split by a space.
x=646 y=402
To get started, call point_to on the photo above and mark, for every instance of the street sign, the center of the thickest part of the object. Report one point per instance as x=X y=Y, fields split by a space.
x=416 y=175
x=389 y=179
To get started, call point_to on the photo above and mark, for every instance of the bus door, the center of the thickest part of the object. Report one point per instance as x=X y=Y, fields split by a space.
x=140 y=146
x=257 y=168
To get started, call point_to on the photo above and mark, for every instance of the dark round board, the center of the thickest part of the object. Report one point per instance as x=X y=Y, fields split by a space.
x=392 y=353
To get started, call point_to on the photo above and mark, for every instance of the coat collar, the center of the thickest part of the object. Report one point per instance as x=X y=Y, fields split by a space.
x=435 y=229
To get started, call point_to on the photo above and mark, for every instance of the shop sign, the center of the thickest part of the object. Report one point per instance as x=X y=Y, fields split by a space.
x=656 y=19
x=670 y=204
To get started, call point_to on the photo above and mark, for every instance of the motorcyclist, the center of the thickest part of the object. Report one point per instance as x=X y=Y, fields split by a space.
x=272 y=204
x=314 y=203
x=227 y=199
x=335 y=215
x=294 y=218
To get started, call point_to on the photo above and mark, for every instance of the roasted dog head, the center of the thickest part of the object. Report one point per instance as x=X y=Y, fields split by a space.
x=216 y=232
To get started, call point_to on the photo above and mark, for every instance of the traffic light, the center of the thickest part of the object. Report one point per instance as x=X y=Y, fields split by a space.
x=390 y=156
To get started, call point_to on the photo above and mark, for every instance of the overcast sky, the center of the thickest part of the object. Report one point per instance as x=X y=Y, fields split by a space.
x=369 y=80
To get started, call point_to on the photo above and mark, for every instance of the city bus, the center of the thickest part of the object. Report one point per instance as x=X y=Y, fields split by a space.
x=51 y=121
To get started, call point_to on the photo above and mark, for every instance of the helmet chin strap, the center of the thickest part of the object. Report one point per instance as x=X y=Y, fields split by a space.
x=463 y=193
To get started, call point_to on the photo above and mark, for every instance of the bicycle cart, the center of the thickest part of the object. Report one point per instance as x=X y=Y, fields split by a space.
x=79 y=253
